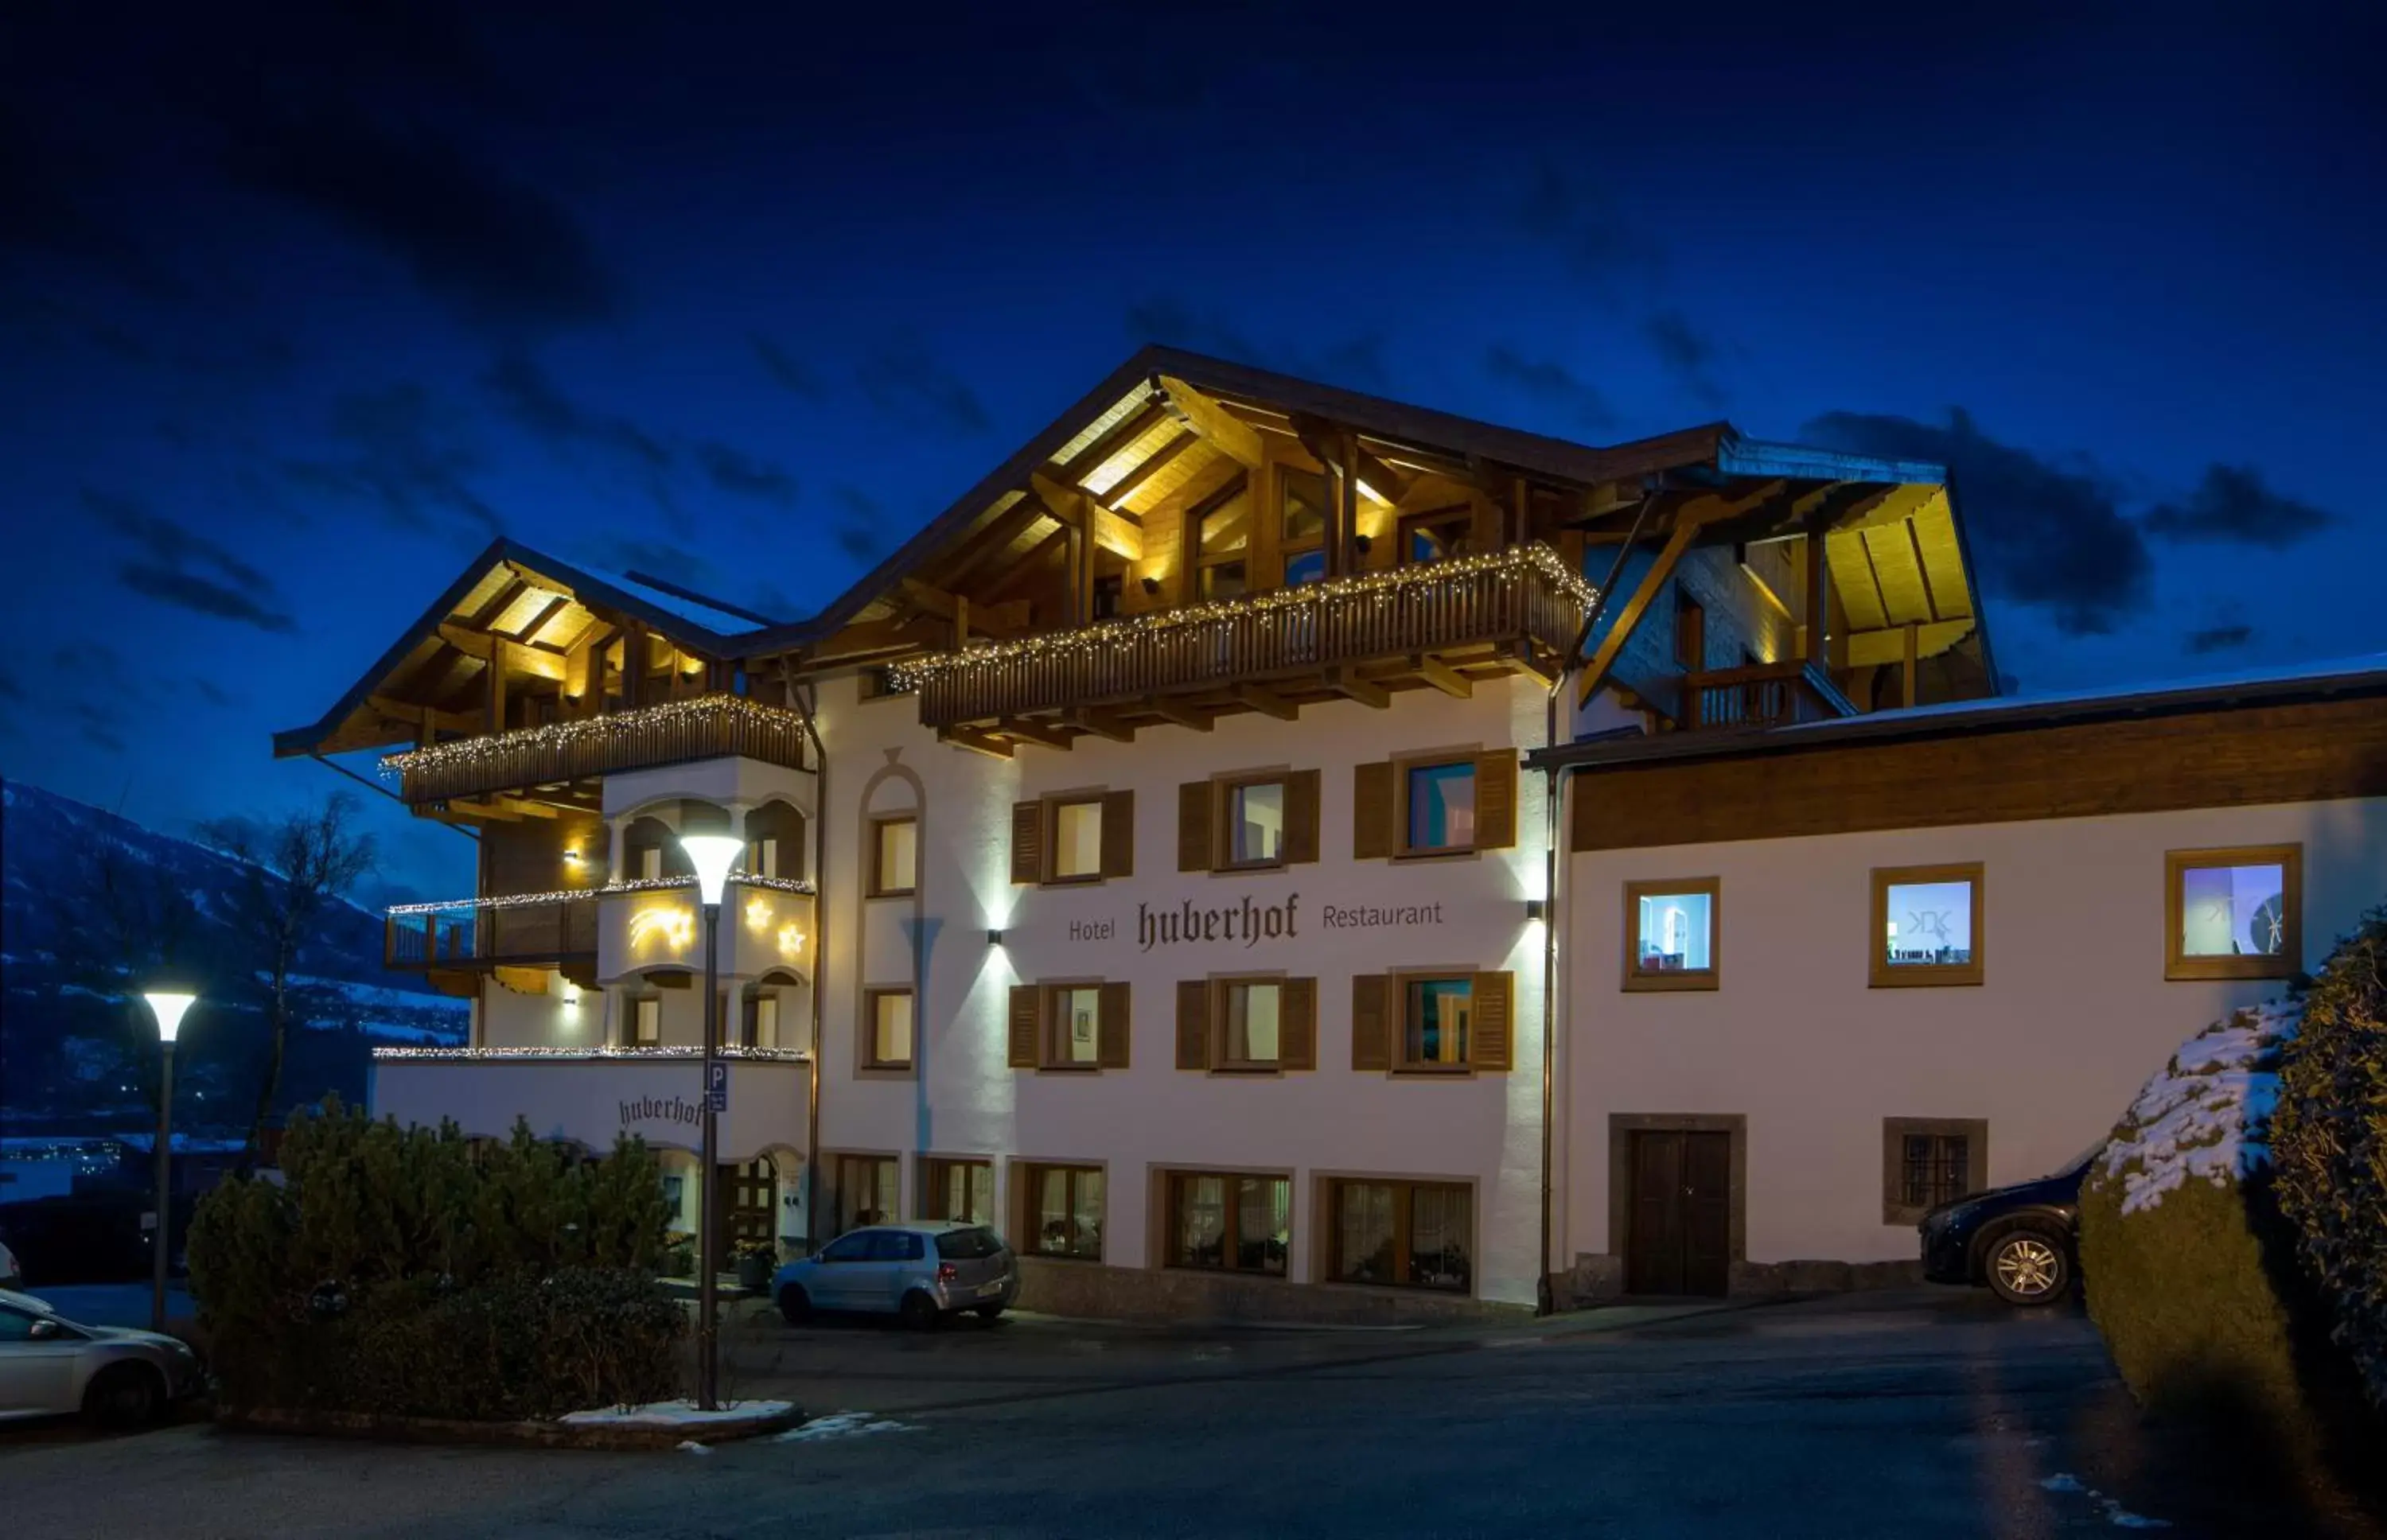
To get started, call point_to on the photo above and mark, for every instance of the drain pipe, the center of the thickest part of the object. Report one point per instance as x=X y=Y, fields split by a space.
x=803 y=705
x=1554 y=820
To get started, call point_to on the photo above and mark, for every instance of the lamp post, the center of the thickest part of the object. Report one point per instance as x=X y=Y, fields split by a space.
x=168 y=1005
x=711 y=855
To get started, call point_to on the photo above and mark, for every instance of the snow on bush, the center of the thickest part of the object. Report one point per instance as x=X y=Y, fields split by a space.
x=2207 y=1115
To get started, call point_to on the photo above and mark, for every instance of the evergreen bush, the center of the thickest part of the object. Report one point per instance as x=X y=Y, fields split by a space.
x=2330 y=1140
x=414 y=1271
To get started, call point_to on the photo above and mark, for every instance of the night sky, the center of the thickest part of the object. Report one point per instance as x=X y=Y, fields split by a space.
x=301 y=304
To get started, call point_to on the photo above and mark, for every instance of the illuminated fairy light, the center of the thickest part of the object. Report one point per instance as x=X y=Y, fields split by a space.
x=674 y=925
x=611 y=890
x=476 y=751
x=1510 y=566
x=488 y=1056
x=791 y=941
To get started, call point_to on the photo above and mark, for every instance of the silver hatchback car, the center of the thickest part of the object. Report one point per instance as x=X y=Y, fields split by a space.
x=50 y=1365
x=920 y=1269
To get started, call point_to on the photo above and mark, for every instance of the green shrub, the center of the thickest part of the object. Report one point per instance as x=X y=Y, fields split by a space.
x=2330 y=1139
x=2178 y=1246
x=414 y=1271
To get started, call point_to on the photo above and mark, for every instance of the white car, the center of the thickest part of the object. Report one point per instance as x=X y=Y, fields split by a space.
x=11 y=1276
x=50 y=1365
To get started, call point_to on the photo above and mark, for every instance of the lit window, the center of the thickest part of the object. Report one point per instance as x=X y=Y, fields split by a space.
x=1230 y=1223
x=889 y=1022
x=1062 y=1211
x=1077 y=1025
x=1415 y=1234
x=763 y=855
x=650 y=864
x=1671 y=934
x=1256 y=824
x=1441 y=807
x=645 y=1021
x=895 y=869
x=1928 y=925
x=959 y=1191
x=2234 y=914
x=868 y=1191
x=1301 y=537
x=1076 y=841
x=1436 y=536
x=1222 y=538
x=1253 y=1019
x=1435 y=1025
x=762 y=1023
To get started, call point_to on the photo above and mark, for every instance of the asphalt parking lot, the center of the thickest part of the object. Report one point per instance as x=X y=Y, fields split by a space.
x=1934 y=1412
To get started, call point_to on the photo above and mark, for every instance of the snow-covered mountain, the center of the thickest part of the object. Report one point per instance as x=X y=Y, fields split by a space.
x=76 y=1056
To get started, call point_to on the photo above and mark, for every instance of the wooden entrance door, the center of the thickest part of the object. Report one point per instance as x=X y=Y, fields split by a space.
x=1680 y=1237
x=746 y=1190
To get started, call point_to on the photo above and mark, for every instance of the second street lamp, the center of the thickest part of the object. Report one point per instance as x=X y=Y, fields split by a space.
x=711 y=855
x=168 y=1006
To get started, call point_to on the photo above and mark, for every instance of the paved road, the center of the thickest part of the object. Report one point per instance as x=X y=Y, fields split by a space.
x=1933 y=1415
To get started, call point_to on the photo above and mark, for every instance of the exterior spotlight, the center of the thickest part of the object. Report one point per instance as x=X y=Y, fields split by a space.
x=711 y=855
x=1537 y=909
x=1361 y=541
x=995 y=937
x=1152 y=585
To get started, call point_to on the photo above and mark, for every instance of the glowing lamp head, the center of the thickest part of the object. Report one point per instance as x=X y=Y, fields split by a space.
x=711 y=855
x=169 y=1004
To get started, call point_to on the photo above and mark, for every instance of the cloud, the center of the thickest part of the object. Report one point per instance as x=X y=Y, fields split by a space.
x=1688 y=354
x=534 y=399
x=2232 y=504
x=905 y=382
x=1551 y=381
x=1359 y=361
x=41 y=211
x=735 y=474
x=403 y=461
x=2044 y=534
x=167 y=551
x=1586 y=226
x=791 y=373
x=859 y=522
x=2217 y=639
x=1164 y=320
x=498 y=251
x=212 y=693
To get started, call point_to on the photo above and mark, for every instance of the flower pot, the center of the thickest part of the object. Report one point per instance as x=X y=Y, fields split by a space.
x=754 y=1273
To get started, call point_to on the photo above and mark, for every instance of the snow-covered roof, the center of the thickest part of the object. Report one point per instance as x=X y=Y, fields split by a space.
x=2366 y=666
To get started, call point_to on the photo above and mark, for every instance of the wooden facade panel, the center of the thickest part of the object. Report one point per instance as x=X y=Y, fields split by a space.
x=1738 y=623
x=2304 y=752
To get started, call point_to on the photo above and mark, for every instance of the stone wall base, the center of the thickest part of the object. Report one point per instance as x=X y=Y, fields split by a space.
x=1095 y=1292
x=1598 y=1277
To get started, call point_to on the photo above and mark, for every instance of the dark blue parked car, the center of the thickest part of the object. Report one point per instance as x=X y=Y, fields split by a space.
x=2021 y=1241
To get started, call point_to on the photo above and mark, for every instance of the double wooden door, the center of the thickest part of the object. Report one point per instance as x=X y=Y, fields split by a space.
x=1679 y=1239
x=746 y=1192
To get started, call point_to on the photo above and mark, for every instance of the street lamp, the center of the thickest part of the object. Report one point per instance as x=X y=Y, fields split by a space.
x=711 y=855
x=168 y=1006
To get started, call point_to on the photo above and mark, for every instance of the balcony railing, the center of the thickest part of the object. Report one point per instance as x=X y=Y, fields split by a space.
x=1762 y=695
x=675 y=732
x=1521 y=597
x=766 y=926
x=554 y=928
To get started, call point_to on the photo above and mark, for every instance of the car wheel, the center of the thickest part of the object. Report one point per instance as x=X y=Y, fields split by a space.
x=989 y=1312
x=125 y=1395
x=795 y=1306
x=920 y=1312
x=2029 y=1266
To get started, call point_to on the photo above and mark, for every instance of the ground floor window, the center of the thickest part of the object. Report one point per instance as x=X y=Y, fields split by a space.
x=1417 y=1234
x=868 y=1191
x=1929 y=1161
x=1062 y=1211
x=2234 y=914
x=957 y=1190
x=1232 y=1223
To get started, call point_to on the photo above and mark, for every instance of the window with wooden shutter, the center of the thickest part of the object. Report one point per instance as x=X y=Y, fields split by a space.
x=1194 y=1022
x=1371 y=1048
x=1374 y=836
x=1193 y=845
x=1298 y=1024
x=1112 y=1030
x=1301 y=818
x=1118 y=834
x=1495 y=800
x=1492 y=1041
x=1028 y=842
x=1027 y=1016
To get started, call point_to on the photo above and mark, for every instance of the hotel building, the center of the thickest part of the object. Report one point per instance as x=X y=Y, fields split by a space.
x=1268 y=850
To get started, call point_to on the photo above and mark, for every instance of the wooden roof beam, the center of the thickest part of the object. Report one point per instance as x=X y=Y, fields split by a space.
x=1103 y=724
x=1078 y=509
x=1229 y=435
x=1183 y=713
x=1134 y=425
x=1117 y=493
x=975 y=742
x=1023 y=730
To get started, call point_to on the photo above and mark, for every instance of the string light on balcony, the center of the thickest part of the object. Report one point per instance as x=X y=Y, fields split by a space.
x=651 y=1051
x=635 y=885
x=556 y=735
x=1510 y=567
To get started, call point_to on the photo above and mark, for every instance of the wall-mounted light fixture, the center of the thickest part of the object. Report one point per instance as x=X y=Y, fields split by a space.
x=1152 y=585
x=1537 y=909
x=1361 y=542
x=995 y=937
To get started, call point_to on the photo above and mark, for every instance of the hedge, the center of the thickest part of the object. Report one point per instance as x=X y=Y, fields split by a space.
x=2330 y=1139
x=416 y=1272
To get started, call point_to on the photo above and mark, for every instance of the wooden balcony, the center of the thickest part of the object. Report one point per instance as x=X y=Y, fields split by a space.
x=1519 y=609
x=468 y=937
x=565 y=753
x=1762 y=695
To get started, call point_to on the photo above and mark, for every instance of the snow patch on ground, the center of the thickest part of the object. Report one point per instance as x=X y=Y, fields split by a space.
x=2115 y=1514
x=2207 y=1115
x=844 y=1424
x=674 y=1414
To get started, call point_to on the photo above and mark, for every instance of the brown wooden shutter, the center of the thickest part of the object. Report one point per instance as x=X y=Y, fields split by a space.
x=1371 y=1038
x=1492 y=1044
x=1495 y=800
x=1193 y=845
x=1028 y=842
x=1118 y=834
x=1301 y=816
x=1110 y=1029
x=1193 y=1024
x=1371 y=812
x=1027 y=1021
x=1296 y=1004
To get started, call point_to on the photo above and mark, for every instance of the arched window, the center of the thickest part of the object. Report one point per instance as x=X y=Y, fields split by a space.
x=651 y=849
x=775 y=840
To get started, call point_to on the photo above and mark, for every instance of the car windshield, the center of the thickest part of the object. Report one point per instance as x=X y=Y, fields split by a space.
x=2080 y=1162
x=968 y=1245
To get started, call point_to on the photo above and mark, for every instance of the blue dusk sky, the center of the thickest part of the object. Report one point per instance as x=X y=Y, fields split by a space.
x=301 y=303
